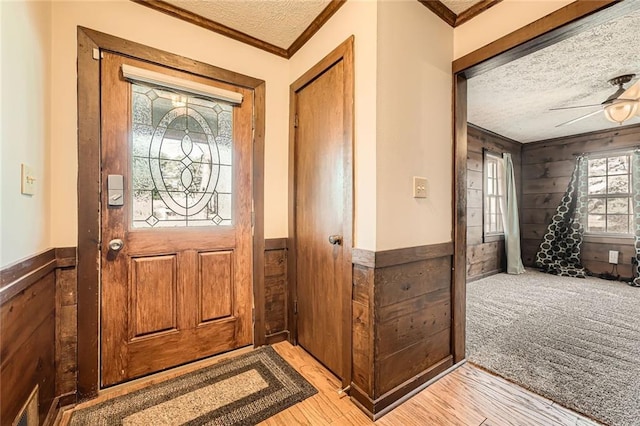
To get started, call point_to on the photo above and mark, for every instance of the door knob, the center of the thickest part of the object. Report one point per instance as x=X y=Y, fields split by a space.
x=116 y=245
x=335 y=239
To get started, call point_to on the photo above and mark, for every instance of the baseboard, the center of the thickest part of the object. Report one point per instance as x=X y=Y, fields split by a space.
x=277 y=337
x=484 y=275
x=57 y=403
x=377 y=408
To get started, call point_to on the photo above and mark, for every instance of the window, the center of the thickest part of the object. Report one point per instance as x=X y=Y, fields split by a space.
x=493 y=194
x=609 y=195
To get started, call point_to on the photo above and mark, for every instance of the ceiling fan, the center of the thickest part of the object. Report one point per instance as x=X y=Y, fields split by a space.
x=619 y=107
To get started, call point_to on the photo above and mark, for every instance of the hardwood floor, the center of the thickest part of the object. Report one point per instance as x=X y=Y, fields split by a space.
x=468 y=396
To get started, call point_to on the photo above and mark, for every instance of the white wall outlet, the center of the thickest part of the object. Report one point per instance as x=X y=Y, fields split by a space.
x=419 y=187
x=28 y=180
x=613 y=256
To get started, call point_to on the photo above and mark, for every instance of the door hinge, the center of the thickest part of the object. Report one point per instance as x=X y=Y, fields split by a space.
x=253 y=314
x=295 y=121
x=295 y=307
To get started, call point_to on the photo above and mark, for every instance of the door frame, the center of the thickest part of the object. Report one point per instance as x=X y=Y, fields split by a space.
x=557 y=26
x=90 y=44
x=344 y=52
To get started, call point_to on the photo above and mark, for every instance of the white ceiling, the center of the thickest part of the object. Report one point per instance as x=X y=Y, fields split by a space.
x=514 y=99
x=459 y=6
x=278 y=22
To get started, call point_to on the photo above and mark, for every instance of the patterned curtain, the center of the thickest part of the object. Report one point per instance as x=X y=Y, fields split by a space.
x=635 y=184
x=559 y=252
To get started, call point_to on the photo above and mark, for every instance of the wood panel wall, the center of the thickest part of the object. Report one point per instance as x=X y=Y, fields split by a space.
x=275 y=282
x=546 y=168
x=401 y=322
x=485 y=256
x=31 y=326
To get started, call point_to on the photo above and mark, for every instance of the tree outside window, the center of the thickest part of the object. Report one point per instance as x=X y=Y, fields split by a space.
x=493 y=194
x=609 y=195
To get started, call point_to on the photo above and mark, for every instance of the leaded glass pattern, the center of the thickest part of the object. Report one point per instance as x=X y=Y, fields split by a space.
x=181 y=159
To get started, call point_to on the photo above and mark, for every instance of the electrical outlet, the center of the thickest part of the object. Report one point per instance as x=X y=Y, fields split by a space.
x=613 y=256
x=419 y=187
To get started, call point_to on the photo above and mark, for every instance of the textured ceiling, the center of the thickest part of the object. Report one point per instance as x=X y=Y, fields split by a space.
x=278 y=22
x=514 y=99
x=459 y=6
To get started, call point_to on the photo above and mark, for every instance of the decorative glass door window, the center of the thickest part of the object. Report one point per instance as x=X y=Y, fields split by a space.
x=181 y=159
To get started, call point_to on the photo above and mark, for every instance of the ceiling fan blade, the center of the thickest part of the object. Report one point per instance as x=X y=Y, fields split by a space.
x=632 y=92
x=574 y=107
x=566 y=123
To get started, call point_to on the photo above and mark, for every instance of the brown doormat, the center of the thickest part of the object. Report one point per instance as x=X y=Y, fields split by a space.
x=241 y=391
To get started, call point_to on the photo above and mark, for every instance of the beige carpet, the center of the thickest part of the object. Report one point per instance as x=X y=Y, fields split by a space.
x=240 y=391
x=574 y=341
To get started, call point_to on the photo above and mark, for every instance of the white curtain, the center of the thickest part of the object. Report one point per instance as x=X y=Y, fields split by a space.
x=510 y=220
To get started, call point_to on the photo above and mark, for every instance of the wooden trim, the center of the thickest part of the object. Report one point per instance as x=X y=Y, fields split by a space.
x=557 y=26
x=18 y=270
x=275 y=244
x=474 y=11
x=259 y=115
x=442 y=11
x=88 y=214
x=89 y=184
x=139 y=51
x=364 y=257
x=453 y=19
x=484 y=275
x=412 y=254
x=193 y=18
x=597 y=134
x=210 y=25
x=459 y=278
x=386 y=258
x=58 y=403
x=494 y=134
x=18 y=276
x=274 y=338
x=314 y=26
x=378 y=407
x=343 y=52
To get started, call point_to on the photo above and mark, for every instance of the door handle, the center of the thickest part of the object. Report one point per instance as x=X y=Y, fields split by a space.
x=336 y=240
x=116 y=245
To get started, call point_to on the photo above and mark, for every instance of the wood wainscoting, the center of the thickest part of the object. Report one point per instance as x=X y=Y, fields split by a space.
x=546 y=169
x=38 y=326
x=275 y=290
x=37 y=333
x=485 y=256
x=401 y=323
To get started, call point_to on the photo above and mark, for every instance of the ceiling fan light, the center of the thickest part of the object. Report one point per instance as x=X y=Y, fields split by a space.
x=620 y=111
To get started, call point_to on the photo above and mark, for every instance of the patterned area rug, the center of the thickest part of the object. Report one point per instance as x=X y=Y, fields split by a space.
x=574 y=341
x=240 y=391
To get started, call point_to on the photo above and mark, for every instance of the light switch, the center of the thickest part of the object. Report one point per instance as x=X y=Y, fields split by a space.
x=28 y=180
x=419 y=187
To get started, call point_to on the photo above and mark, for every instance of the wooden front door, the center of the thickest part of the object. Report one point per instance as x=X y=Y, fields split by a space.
x=176 y=259
x=323 y=212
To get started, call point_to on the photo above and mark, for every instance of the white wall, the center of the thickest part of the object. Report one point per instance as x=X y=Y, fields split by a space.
x=500 y=20
x=413 y=125
x=25 y=131
x=134 y=22
x=358 y=18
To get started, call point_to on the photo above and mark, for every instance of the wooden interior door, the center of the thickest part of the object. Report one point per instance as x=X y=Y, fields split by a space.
x=180 y=287
x=323 y=214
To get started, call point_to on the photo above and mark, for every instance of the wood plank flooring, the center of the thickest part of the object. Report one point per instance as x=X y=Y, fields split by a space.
x=468 y=396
